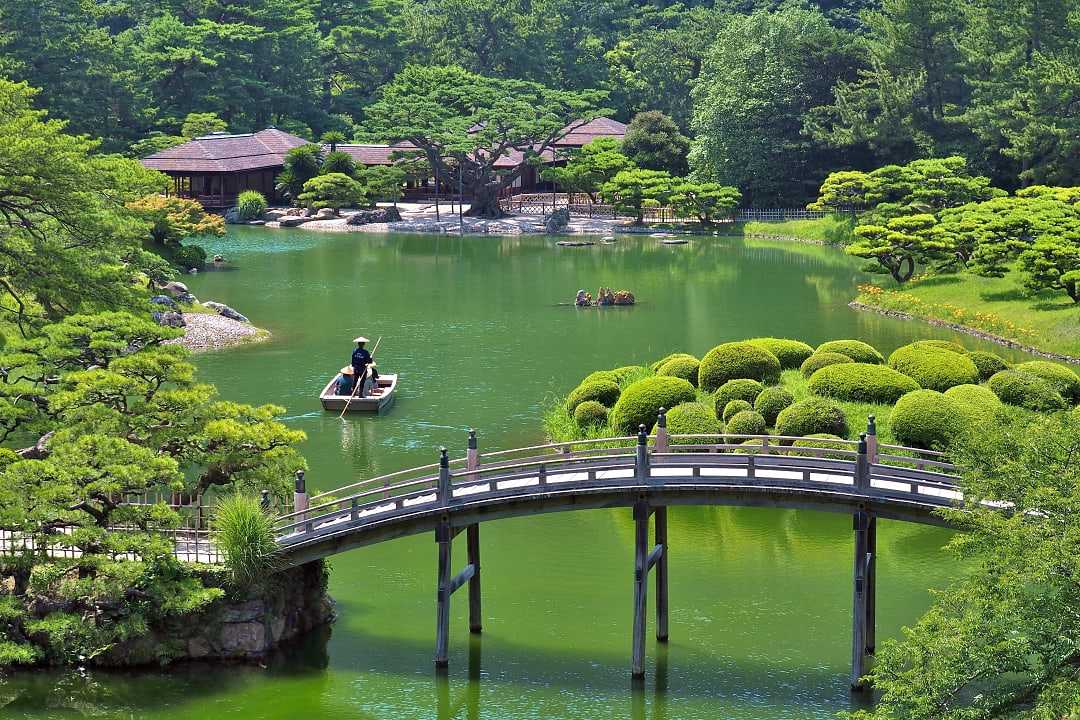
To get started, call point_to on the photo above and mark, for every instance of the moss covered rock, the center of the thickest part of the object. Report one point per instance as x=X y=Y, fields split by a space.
x=926 y=419
x=822 y=359
x=933 y=367
x=735 y=360
x=811 y=416
x=605 y=392
x=977 y=403
x=1026 y=390
x=987 y=363
x=790 y=353
x=771 y=401
x=746 y=422
x=640 y=402
x=733 y=407
x=1064 y=380
x=861 y=382
x=857 y=350
x=590 y=414
x=741 y=389
x=681 y=367
x=692 y=418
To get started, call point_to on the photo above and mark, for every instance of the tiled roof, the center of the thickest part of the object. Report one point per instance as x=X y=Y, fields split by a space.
x=375 y=154
x=597 y=128
x=227 y=153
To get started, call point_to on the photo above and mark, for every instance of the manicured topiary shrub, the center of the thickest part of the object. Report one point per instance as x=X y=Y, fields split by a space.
x=655 y=367
x=741 y=389
x=1026 y=390
x=641 y=401
x=692 y=418
x=590 y=414
x=605 y=392
x=1064 y=380
x=819 y=440
x=811 y=416
x=926 y=419
x=943 y=345
x=934 y=368
x=746 y=422
x=988 y=363
x=737 y=360
x=732 y=408
x=978 y=404
x=861 y=382
x=250 y=205
x=822 y=359
x=771 y=401
x=857 y=350
x=624 y=373
x=749 y=447
x=790 y=353
x=681 y=367
x=607 y=375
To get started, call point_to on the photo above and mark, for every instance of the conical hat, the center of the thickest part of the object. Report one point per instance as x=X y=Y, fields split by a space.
x=361 y=339
x=347 y=370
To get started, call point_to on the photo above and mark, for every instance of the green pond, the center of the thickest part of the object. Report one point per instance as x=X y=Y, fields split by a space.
x=481 y=333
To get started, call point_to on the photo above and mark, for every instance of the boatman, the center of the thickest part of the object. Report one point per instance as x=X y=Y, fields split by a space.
x=361 y=358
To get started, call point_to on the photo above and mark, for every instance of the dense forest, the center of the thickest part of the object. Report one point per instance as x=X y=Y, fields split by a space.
x=772 y=94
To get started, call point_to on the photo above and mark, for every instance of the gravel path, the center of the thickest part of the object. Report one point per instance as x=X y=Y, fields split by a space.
x=212 y=332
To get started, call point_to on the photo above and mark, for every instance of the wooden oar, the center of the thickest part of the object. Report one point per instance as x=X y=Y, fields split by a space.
x=359 y=382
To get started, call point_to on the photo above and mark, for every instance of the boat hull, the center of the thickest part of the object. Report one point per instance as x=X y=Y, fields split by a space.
x=382 y=396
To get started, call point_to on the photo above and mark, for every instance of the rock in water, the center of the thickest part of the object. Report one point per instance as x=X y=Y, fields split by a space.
x=604 y=296
x=376 y=215
x=232 y=216
x=170 y=318
x=557 y=221
x=325 y=214
x=624 y=297
x=225 y=311
x=583 y=299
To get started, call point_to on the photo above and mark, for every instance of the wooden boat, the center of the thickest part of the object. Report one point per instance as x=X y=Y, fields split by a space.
x=381 y=397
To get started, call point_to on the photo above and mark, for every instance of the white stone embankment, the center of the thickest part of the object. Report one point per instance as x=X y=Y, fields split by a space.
x=214 y=332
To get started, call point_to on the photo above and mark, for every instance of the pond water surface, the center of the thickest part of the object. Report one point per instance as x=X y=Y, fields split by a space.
x=479 y=331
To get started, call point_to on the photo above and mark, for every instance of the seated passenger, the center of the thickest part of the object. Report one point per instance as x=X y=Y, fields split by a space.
x=345 y=381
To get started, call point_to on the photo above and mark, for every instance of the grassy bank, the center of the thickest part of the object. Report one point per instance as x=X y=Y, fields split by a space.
x=1049 y=322
x=832 y=230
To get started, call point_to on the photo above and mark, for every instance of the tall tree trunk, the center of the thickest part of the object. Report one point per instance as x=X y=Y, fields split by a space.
x=484 y=201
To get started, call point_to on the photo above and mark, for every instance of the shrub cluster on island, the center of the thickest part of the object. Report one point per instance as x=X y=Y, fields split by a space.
x=928 y=394
x=605 y=297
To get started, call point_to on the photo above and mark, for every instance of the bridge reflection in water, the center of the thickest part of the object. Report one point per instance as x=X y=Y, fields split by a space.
x=864 y=478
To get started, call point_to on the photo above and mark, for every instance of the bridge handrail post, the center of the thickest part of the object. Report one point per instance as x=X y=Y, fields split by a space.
x=300 y=495
x=871 y=440
x=862 y=465
x=472 y=453
x=661 y=443
x=443 y=491
x=641 y=458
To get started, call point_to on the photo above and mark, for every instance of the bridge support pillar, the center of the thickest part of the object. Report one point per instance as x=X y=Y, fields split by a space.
x=645 y=561
x=660 y=535
x=472 y=544
x=864 y=597
x=442 y=599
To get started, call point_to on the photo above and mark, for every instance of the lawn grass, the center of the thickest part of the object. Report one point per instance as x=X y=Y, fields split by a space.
x=831 y=230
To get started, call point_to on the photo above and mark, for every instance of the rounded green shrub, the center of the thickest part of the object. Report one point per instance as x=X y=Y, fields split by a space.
x=926 y=419
x=607 y=375
x=590 y=414
x=1064 y=380
x=605 y=392
x=943 y=345
x=812 y=416
x=822 y=359
x=681 y=367
x=741 y=389
x=790 y=353
x=934 y=368
x=816 y=441
x=732 y=408
x=987 y=363
x=1025 y=390
x=861 y=382
x=857 y=350
x=190 y=257
x=771 y=401
x=640 y=402
x=746 y=422
x=626 y=371
x=749 y=447
x=655 y=367
x=250 y=205
x=735 y=360
x=977 y=403
x=692 y=418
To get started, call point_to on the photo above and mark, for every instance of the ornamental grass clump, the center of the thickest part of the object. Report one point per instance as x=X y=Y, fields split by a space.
x=692 y=418
x=857 y=350
x=934 y=367
x=1026 y=391
x=605 y=392
x=250 y=205
x=861 y=382
x=590 y=414
x=1064 y=380
x=790 y=353
x=243 y=532
x=822 y=359
x=811 y=416
x=927 y=419
x=685 y=367
x=732 y=408
x=987 y=363
x=742 y=389
x=735 y=360
x=746 y=422
x=771 y=401
x=640 y=402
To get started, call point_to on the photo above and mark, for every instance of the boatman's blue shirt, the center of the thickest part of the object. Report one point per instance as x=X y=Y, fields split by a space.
x=361 y=358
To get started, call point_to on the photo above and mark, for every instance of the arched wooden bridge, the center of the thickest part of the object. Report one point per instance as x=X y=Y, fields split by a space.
x=645 y=473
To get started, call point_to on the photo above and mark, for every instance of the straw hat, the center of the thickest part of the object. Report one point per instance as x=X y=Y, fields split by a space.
x=361 y=339
x=347 y=370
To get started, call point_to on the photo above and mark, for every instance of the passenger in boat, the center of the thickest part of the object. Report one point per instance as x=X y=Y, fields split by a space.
x=345 y=382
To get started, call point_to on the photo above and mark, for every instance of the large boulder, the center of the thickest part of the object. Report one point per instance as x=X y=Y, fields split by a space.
x=164 y=300
x=176 y=288
x=557 y=221
x=170 y=318
x=232 y=216
x=374 y=215
x=293 y=220
x=274 y=215
x=225 y=311
x=325 y=214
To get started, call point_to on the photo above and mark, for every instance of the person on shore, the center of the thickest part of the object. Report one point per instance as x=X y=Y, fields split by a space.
x=345 y=382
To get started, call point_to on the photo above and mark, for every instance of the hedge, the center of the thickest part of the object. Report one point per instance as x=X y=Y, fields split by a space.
x=977 y=403
x=732 y=408
x=692 y=418
x=988 y=363
x=681 y=367
x=1064 y=380
x=737 y=360
x=822 y=359
x=926 y=419
x=605 y=392
x=790 y=353
x=608 y=375
x=1025 y=390
x=590 y=414
x=857 y=350
x=741 y=389
x=933 y=367
x=746 y=422
x=771 y=401
x=641 y=401
x=943 y=345
x=812 y=416
x=655 y=367
x=861 y=382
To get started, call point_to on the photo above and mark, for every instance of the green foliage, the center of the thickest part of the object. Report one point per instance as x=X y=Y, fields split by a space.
x=1026 y=390
x=977 y=403
x=987 y=363
x=934 y=367
x=746 y=422
x=590 y=167
x=383 y=183
x=337 y=161
x=857 y=350
x=653 y=142
x=926 y=419
x=821 y=440
x=682 y=367
x=335 y=191
x=189 y=256
x=733 y=360
x=731 y=408
x=244 y=533
x=655 y=367
x=771 y=401
x=861 y=382
x=707 y=202
x=692 y=418
x=631 y=191
x=811 y=416
x=900 y=245
x=174 y=219
x=740 y=389
x=604 y=391
x=1053 y=263
x=640 y=402
x=301 y=165
x=590 y=413
x=197 y=124
x=822 y=359
x=251 y=205
x=1061 y=378
x=790 y=353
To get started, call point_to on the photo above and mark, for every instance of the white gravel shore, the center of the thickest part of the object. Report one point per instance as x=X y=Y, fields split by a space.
x=213 y=332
